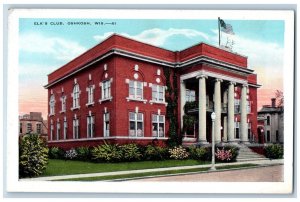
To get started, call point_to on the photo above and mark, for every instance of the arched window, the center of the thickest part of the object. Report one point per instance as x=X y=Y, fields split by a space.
x=52 y=104
x=76 y=96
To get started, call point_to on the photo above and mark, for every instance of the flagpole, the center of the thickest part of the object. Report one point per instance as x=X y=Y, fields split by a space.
x=219 y=31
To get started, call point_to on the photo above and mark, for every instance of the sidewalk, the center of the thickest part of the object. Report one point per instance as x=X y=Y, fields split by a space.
x=64 y=177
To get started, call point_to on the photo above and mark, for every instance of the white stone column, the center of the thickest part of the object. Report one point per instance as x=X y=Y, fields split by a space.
x=230 y=112
x=202 y=109
x=244 y=125
x=182 y=101
x=217 y=109
x=225 y=131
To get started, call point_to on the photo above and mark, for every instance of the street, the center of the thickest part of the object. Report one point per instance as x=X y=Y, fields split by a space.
x=261 y=174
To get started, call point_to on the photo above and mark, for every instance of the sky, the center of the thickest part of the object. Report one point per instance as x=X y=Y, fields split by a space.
x=47 y=44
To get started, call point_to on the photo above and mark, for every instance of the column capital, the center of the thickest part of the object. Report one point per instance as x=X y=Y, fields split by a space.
x=201 y=76
x=245 y=85
x=232 y=83
x=182 y=81
x=218 y=80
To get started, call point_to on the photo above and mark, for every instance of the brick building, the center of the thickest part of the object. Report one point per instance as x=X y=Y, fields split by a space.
x=32 y=123
x=118 y=91
x=270 y=123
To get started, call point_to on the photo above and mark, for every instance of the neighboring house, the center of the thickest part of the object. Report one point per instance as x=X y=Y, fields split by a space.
x=270 y=123
x=32 y=123
x=118 y=92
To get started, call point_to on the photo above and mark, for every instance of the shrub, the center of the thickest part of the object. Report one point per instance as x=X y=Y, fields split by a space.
x=223 y=155
x=106 y=153
x=199 y=153
x=71 y=154
x=274 y=151
x=156 y=153
x=83 y=153
x=130 y=152
x=234 y=152
x=178 y=153
x=56 y=153
x=33 y=156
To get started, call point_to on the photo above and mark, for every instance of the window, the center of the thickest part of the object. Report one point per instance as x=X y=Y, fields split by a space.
x=65 y=129
x=38 y=128
x=57 y=130
x=52 y=105
x=90 y=126
x=106 y=125
x=248 y=107
x=237 y=130
x=158 y=125
x=29 y=127
x=106 y=90
x=190 y=95
x=236 y=106
x=51 y=131
x=136 y=122
x=268 y=136
x=249 y=131
x=136 y=90
x=76 y=96
x=63 y=103
x=90 y=91
x=268 y=120
x=277 y=136
x=158 y=93
x=21 y=128
x=75 y=128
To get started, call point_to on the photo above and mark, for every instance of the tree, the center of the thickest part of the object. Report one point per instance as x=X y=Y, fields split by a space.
x=33 y=155
x=279 y=98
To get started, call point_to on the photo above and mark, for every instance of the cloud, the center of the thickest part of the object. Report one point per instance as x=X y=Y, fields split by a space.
x=59 y=48
x=158 y=37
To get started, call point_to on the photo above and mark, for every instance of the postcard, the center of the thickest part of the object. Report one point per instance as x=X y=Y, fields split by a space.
x=150 y=101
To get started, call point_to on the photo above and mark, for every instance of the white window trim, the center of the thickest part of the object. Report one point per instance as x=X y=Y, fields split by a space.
x=91 y=119
x=57 y=127
x=136 y=121
x=52 y=108
x=63 y=99
x=93 y=95
x=109 y=98
x=156 y=101
x=75 y=124
x=104 y=125
x=65 y=129
x=157 y=122
x=135 y=92
x=72 y=95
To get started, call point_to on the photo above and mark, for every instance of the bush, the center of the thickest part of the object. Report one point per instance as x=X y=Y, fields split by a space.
x=156 y=153
x=223 y=155
x=178 y=153
x=199 y=153
x=274 y=151
x=130 y=152
x=71 y=154
x=33 y=156
x=106 y=153
x=56 y=153
x=83 y=153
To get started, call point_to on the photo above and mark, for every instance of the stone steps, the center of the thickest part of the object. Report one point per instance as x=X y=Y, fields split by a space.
x=246 y=154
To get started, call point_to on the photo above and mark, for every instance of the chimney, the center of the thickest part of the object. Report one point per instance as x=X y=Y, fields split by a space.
x=273 y=100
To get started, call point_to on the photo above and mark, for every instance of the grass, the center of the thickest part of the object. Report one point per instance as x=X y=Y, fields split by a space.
x=62 y=167
x=160 y=173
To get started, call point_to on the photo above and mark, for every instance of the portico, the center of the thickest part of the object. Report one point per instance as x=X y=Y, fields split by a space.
x=216 y=93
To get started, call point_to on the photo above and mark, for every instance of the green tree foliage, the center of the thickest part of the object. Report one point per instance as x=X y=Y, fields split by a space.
x=33 y=156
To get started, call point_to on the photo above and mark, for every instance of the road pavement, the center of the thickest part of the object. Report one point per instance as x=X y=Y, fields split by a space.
x=272 y=173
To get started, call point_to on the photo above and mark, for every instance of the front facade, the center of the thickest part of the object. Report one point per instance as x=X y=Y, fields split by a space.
x=119 y=91
x=270 y=123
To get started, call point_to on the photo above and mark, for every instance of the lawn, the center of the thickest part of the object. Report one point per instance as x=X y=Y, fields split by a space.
x=158 y=173
x=62 y=167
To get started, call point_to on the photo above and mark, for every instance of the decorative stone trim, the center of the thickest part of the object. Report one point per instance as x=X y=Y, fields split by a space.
x=106 y=99
x=138 y=100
